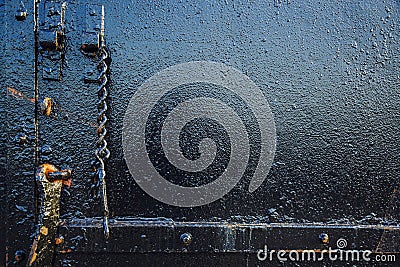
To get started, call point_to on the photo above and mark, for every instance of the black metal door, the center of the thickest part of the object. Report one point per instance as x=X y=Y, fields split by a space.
x=319 y=76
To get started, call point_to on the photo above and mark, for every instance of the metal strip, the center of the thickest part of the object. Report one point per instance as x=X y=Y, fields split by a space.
x=141 y=235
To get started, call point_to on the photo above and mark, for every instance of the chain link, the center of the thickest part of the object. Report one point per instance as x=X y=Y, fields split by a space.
x=102 y=153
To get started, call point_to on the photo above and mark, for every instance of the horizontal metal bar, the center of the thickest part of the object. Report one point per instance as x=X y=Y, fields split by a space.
x=135 y=222
x=144 y=235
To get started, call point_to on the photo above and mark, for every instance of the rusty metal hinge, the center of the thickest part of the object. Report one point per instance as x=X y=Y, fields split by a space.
x=51 y=181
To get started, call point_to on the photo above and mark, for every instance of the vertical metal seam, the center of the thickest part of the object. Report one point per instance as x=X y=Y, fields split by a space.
x=36 y=112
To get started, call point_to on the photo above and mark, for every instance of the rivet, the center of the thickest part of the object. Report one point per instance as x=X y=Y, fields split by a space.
x=324 y=238
x=20 y=255
x=186 y=239
x=21 y=15
x=46 y=150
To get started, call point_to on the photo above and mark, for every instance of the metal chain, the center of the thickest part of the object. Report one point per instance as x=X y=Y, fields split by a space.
x=102 y=153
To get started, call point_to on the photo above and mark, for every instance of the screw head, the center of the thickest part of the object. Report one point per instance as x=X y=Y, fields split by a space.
x=324 y=238
x=186 y=239
x=46 y=150
x=20 y=255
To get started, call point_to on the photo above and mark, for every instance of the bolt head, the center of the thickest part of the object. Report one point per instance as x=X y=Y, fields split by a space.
x=21 y=15
x=20 y=255
x=186 y=238
x=46 y=150
x=324 y=238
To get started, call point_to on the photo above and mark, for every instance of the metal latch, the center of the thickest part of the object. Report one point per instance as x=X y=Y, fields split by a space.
x=92 y=37
x=52 y=38
x=50 y=181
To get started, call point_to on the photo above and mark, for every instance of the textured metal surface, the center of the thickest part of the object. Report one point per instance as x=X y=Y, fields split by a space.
x=18 y=135
x=3 y=142
x=164 y=235
x=329 y=70
x=133 y=238
x=51 y=37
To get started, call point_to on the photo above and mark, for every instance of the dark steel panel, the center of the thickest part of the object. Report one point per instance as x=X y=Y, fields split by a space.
x=172 y=259
x=140 y=235
x=329 y=70
x=18 y=136
x=334 y=101
x=70 y=131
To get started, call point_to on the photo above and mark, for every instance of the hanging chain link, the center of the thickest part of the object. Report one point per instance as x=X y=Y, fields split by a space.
x=98 y=188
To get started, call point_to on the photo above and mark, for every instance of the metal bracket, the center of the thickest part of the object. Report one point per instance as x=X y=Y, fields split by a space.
x=51 y=181
x=94 y=29
x=92 y=36
x=52 y=38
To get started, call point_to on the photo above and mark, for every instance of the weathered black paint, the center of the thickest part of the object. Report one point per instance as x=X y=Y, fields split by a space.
x=336 y=138
x=18 y=131
x=329 y=70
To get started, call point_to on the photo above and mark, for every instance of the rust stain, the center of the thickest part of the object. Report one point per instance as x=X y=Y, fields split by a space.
x=17 y=94
x=49 y=168
x=44 y=230
x=66 y=251
x=32 y=259
x=59 y=240
x=47 y=106
x=33 y=254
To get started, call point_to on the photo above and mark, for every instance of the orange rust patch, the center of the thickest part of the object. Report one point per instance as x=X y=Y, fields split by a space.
x=47 y=106
x=59 y=240
x=66 y=251
x=44 y=230
x=48 y=168
x=33 y=259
